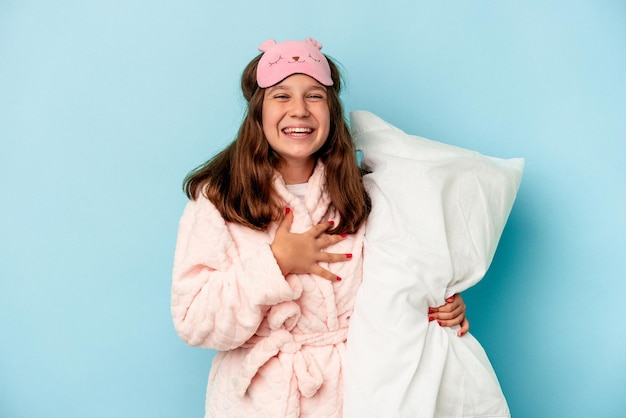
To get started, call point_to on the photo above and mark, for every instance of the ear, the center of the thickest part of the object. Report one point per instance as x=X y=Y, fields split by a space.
x=267 y=45
x=314 y=43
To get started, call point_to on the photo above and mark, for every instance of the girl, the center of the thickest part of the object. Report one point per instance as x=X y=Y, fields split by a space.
x=269 y=252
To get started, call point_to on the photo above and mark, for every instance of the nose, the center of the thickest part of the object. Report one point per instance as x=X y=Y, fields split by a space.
x=299 y=108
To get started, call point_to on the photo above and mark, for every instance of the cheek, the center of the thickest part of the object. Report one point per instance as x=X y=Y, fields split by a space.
x=266 y=120
x=270 y=114
x=326 y=121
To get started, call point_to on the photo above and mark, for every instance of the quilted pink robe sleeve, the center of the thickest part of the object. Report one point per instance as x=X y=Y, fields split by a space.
x=218 y=298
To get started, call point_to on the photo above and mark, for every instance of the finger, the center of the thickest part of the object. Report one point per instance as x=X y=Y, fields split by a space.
x=458 y=311
x=320 y=228
x=449 y=321
x=452 y=303
x=285 y=223
x=328 y=240
x=465 y=325
x=333 y=257
x=449 y=309
x=325 y=274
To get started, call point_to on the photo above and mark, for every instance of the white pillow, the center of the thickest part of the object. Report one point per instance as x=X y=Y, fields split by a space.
x=438 y=214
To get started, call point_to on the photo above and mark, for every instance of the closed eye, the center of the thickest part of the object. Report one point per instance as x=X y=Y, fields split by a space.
x=311 y=56
x=280 y=57
x=317 y=93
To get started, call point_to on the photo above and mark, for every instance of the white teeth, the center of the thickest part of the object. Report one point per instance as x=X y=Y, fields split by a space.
x=297 y=130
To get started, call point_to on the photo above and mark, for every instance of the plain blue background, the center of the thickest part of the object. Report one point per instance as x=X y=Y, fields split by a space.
x=106 y=105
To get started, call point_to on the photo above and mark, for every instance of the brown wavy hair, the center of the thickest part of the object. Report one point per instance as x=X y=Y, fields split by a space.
x=239 y=179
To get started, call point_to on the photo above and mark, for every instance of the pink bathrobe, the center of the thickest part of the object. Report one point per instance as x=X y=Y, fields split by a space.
x=281 y=340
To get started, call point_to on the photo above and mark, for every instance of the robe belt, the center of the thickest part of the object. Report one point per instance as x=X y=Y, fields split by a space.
x=306 y=369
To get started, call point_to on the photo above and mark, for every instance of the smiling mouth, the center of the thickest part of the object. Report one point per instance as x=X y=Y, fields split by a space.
x=297 y=131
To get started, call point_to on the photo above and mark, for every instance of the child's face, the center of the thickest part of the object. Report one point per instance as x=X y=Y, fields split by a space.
x=296 y=118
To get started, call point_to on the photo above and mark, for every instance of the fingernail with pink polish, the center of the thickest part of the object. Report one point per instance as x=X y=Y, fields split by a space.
x=348 y=255
x=287 y=210
x=431 y=318
x=331 y=223
x=338 y=279
x=450 y=299
x=431 y=310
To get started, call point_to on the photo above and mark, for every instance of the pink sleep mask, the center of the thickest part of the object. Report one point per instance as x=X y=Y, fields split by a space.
x=280 y=60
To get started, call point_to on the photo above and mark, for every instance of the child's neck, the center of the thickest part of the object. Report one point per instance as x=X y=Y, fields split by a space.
x=296 y=173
